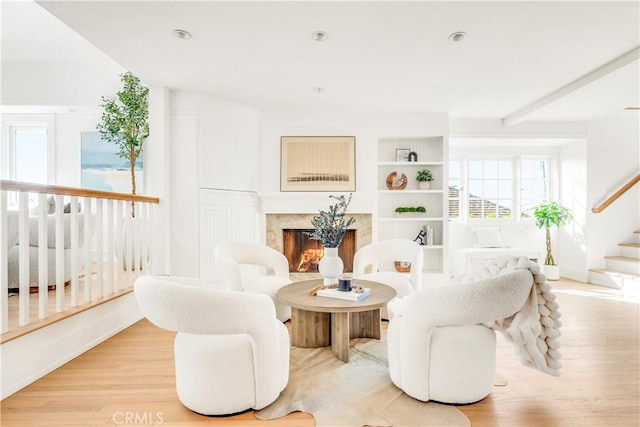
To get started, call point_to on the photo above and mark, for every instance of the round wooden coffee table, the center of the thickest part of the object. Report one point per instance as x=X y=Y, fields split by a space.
x=322 y=321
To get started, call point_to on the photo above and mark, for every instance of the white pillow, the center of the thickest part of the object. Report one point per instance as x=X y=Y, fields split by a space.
x=489 y=237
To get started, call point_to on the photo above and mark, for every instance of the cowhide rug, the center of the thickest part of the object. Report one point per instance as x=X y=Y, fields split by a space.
x=357 y=393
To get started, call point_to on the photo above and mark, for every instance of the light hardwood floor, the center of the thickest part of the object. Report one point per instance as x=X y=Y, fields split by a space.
x=131 y=375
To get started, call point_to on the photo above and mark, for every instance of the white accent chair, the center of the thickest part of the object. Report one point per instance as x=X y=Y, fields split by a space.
x=234 y=260
x=231 y=353
x=380 y=256
x=438 y=348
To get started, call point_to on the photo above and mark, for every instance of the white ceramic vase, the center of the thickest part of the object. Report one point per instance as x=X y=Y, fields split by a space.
x=330 y=266
x=424 y=185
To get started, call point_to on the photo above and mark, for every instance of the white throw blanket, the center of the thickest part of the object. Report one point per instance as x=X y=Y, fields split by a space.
x=535 y=329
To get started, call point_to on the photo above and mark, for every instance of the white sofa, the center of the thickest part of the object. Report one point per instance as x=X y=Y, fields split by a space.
x=13 y=255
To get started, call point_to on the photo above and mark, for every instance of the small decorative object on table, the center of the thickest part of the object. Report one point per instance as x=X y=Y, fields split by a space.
x=330 y=228
x=344 y=284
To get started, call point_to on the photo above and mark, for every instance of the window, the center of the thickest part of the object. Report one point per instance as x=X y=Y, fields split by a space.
x=455 y=187
x=534 y=185
x=506 y=188
x=490 y=186
x=27 y=151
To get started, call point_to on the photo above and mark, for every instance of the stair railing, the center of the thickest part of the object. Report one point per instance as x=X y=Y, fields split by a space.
x=615 y=196
x=85 y=244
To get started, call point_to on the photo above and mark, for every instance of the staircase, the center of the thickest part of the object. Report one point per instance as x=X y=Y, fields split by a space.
x=623 y=270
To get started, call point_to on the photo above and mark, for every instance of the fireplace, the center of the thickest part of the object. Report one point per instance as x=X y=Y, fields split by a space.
x=304 y=254
x=277 y=223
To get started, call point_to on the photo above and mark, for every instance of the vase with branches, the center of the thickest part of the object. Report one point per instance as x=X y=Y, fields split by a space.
x=125 y=122
x=329 y=228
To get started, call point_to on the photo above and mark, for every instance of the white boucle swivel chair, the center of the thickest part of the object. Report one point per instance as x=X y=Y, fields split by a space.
x=380 y=256
x=438 y=348
x=234 y=261
x=231 y=353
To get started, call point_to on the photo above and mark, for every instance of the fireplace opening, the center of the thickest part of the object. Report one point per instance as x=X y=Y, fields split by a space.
x=304 y=254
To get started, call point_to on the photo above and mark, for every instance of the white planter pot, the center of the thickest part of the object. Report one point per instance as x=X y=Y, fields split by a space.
x=424 y=185
x=331 y=266
x=551 y=271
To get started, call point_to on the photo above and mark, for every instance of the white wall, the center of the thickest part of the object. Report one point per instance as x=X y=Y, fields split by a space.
x=571 y=244
x=72 y=83
x=613 y=158
x=214 y=149
x=366 y=127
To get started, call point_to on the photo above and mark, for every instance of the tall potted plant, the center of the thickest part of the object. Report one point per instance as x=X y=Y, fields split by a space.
x=125 y=122
x=549 y=215
x=329 y=228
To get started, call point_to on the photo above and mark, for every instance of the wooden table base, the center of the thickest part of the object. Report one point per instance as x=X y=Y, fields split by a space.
x=313 y=329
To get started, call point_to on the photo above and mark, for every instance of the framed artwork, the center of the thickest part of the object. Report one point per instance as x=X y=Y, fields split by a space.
x=102 y=169
x=318 y=163
x=402 y=154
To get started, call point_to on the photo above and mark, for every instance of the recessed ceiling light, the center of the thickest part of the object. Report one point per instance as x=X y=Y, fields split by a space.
x=457 y=36
x=318 y=89
x=319 y=36
x=182 y=34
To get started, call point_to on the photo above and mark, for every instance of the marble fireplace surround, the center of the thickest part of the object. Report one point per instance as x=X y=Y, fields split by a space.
x=277 y=222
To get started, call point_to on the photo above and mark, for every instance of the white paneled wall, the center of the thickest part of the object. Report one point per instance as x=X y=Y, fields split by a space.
x=228 y=156
x=223 y=216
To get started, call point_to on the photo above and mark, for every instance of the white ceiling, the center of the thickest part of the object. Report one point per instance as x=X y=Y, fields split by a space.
x=381 y=56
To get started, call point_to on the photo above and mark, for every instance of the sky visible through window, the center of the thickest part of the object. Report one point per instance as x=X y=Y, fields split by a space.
x=31 y=155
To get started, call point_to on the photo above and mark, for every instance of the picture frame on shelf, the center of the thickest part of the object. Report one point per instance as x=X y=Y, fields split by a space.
x=402 y=154
x=318 y=163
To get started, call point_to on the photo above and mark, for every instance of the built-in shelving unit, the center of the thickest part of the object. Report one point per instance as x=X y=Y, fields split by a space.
x=431 y=154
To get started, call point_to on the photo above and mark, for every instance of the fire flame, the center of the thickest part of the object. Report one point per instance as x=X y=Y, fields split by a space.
x=309 y=258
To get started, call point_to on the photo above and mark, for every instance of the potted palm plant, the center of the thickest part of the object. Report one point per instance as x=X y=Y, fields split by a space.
x=424 y=179
x=549 y=215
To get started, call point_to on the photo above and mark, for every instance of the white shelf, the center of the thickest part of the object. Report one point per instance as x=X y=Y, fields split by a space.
x=415 y=218
x=410 y=191
x=434 y=163
x=432 y=152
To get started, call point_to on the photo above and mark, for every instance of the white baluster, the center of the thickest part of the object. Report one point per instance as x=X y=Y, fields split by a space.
x=99 y=249
x=87 y=212
x=75 y=255
x=120 y=205
x=4 y=264
x=23 y=240
x=43 y=256
x=110 y=247
x=60 y=264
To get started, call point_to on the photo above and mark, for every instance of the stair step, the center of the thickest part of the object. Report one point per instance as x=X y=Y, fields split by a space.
x=623 y=264
x=623 y=259
x=629 y=250
x=631 y=245
x=630 y=283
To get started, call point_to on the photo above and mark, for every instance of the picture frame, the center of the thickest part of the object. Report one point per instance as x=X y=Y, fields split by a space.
x=102 y=169
x=402 y=154
x=318 y=163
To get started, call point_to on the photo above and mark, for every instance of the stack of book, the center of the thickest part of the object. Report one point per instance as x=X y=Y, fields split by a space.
x=351 y=295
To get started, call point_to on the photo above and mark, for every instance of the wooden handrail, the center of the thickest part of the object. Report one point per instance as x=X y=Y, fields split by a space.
x=72 y=191
x=617 y=194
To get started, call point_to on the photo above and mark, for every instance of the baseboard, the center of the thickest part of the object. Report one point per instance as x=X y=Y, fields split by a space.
x=34 y=355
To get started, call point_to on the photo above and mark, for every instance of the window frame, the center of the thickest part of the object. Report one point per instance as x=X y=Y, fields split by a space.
x=516 y=214
x=13 y=122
